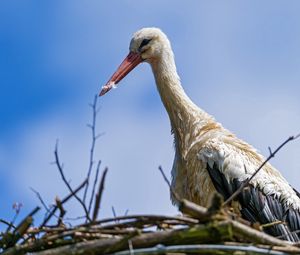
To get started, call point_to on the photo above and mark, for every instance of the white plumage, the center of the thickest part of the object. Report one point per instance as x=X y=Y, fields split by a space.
x=207 y=156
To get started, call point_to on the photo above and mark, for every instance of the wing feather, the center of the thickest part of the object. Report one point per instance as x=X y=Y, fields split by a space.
x=259 y=207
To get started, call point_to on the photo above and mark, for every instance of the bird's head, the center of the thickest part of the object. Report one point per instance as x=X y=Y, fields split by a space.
x=147 y=45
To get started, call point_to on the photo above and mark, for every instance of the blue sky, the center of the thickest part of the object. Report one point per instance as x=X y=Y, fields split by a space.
x=238 y=60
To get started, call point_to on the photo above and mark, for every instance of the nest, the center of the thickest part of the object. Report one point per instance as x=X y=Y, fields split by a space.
x=197 y=231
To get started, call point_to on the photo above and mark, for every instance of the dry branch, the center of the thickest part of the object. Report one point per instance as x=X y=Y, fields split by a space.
x=272 y=155
x=61 y=209
x=104 y=236
x=94 y=138
x=60 y=169
x=40 y=199
x=99 y=195
x=197 y=234
x=94 y=186
x=174 y=194
x=53 y=210
x=10 y=239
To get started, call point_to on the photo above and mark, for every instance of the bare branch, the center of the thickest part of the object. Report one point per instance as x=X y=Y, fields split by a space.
x=99 y=135
x=143 y=217
x=270 y=150
x=60 y=169
x=99 y=195
x=53 y=210
x=40 y=198
x=62 y=211
x=9 y=224
x=17 y=207
x=94 y=186
x=92 y=126
x=246 y=183
x=114 y=211
x=174 y=194
x=22 y=228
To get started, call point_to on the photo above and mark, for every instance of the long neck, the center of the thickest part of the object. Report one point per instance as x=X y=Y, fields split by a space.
x=182 y=111
x=187 y=120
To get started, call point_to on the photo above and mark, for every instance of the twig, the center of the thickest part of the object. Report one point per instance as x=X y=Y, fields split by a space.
x=200 y=234
x=40 y=198
x=256 y=236
x=201 y=213
x=114 y=211
x=246 y=183
x=174 y=194
x=17 y=207
x=143 y=217
x=48 y=210
x=271 y=224
x=94 y=186
x=60 y=169
x=53 y=210
x=114 y=214
x=62 y=211
x=22 y=228
x=94 y=138
x=99 y=195
x=9 y=224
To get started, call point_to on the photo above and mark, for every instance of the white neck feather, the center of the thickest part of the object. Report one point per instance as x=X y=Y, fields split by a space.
x=186 y=118
x=182 y=111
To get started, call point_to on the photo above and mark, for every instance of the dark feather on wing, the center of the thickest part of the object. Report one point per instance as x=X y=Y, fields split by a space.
x=259 y=207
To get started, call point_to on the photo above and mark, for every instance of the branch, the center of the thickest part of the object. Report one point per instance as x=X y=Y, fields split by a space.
x=114 y=212
x=21 y=229
x=199 y=234
x=213 y=212
x=53 y=210
x=99 y=195
x=94 y=186
x=62 y=211
x=248 y=233
x=144 y=218
x=9 y=224
x=40 y=198
x=60 y=169
x=94 y=138
x=246 y=183
x=174 y=194
x=17 y=207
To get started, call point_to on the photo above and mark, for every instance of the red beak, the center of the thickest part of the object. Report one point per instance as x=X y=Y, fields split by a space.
x=130 y=62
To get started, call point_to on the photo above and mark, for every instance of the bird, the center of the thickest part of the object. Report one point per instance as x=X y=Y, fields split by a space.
x=208 y=157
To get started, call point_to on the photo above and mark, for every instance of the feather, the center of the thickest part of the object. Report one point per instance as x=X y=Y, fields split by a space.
x=259 y=207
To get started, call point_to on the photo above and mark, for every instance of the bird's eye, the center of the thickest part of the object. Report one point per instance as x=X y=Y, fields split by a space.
x=144 y=43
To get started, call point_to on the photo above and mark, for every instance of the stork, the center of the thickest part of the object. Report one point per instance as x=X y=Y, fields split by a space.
x=208 y=157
